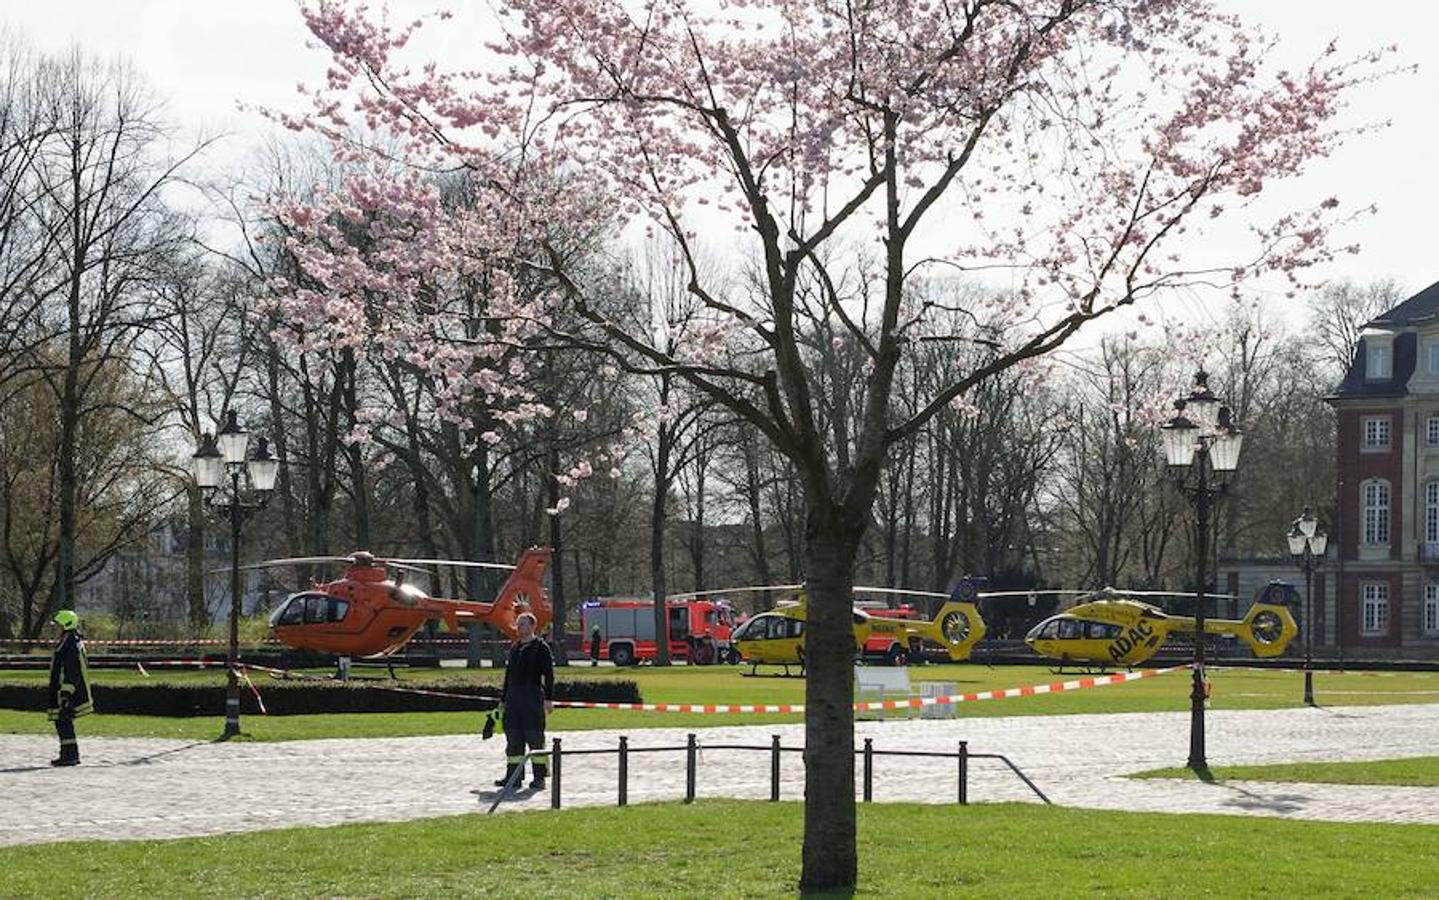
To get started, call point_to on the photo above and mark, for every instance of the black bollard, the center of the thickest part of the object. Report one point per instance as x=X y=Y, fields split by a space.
x=690 y=760
x=963 y=773
x=555 y=773
x=624 y=770
x=774 y=768
x=868 y=770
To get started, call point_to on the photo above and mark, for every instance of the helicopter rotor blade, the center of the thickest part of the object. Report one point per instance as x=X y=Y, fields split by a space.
x=903 y=592
x=752 y=589
x=294 y=561
x=459 y=563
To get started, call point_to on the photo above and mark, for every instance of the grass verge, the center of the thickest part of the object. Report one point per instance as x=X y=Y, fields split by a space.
x=1419 y=771
x=751 y=849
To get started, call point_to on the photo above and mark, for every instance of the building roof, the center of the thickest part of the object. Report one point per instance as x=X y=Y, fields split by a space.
x=1421 y=307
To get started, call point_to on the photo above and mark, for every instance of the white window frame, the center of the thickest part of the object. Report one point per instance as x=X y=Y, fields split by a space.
x=1378 y=361
x=1431 y=431
x=1431 y=610
x=1374 y=606
x=1374 y=512
x=1431 y=512
x=1377 y=432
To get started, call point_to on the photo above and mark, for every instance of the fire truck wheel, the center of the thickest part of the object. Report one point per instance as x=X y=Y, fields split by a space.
x=704 y=652
x=731 y=656
x=622 y=655
x=896 y=656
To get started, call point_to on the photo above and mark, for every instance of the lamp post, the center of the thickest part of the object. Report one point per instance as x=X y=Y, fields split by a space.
x=1307 y=545
x=235 y=488
x=1201 y=448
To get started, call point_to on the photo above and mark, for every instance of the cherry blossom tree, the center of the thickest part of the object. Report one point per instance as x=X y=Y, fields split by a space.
x=1077 y=151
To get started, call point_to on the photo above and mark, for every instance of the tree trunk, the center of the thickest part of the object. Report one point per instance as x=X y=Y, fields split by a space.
x=195 y=559
x=557 y=559
x=657 y=547
x=829 y=856
x=753 y=487
x=62 y=589
x=481 y=537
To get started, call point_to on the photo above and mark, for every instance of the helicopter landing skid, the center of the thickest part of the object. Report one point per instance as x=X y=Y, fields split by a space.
x=754 y=672
x=1081 y=670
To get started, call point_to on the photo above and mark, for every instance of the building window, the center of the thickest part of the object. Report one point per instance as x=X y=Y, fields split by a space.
x=1434 y=358
x=1378 y=359
x=1376 y=433
x=1431 y=428
x=1431 y=514
x=1375 y=498
x=1376 y=608
x=1431 y=610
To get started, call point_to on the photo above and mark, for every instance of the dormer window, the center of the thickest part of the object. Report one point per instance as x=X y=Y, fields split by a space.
x=1379 y=360
x=1434 y=358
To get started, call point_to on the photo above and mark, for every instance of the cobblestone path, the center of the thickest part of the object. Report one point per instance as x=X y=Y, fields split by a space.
x=147 y=788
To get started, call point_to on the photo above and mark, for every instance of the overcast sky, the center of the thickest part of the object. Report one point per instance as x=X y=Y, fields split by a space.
x=205 y=55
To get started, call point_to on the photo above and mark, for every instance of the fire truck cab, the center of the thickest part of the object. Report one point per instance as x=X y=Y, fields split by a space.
x=699 y=630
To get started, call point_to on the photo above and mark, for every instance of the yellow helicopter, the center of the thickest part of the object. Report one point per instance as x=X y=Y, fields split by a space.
x=1111 y=628
x=776 y=637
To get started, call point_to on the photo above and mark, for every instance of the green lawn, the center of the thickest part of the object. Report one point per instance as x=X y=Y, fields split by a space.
x=1232 y=689
x=1419 y=771
x=751 y=849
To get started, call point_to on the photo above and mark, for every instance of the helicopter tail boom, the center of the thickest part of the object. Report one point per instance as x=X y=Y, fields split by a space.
x=524 y=591
x=1267 y=628
x=957 y=627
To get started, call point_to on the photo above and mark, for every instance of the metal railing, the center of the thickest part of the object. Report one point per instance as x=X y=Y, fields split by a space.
x=776 y=750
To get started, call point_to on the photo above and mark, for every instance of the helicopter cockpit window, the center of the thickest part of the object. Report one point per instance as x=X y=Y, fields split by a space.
x=795 y=629
x=292 y=613
x=315 y=608
x=745 y=632
x=338 y=609
x=1070 y=629
x=1101 y=631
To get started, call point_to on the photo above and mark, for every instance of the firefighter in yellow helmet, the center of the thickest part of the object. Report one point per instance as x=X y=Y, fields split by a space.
x=69 y=686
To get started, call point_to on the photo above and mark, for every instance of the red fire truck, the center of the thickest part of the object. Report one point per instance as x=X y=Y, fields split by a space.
x=699 y=630
x=894 y=647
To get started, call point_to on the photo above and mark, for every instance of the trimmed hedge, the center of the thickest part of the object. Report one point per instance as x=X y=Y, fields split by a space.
x=296 y=697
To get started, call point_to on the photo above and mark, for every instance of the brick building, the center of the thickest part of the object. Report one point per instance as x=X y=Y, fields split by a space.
x=1386 y=530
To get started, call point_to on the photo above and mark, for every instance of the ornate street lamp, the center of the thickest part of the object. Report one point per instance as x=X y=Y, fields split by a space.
x=1201 y=449
x=236 y=488
x=1307 y=545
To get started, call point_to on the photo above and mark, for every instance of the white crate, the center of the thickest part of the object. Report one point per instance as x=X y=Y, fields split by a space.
x=936 y=689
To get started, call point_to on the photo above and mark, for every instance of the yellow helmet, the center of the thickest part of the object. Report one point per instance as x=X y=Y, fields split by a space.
x=67 y=619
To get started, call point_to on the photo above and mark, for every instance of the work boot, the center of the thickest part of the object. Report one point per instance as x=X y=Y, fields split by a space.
x=66 y=761
x=538 y=784
x=509 y=770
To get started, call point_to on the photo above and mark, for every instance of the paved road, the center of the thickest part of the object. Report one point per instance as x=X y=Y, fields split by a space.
x=145 y=788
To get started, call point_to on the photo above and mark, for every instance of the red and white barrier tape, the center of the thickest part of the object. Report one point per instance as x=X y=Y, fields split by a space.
x=874 y=705
x=145 y=642
x=245 y=677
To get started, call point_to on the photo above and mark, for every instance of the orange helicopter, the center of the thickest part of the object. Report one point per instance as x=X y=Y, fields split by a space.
x=368 y=613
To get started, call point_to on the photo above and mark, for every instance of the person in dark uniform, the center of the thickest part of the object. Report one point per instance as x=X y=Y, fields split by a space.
x=595 y=641
x=69 y=687
x=526 y=699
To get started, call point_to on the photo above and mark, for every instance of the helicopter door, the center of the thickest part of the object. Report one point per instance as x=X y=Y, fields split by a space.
x=316 y=611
